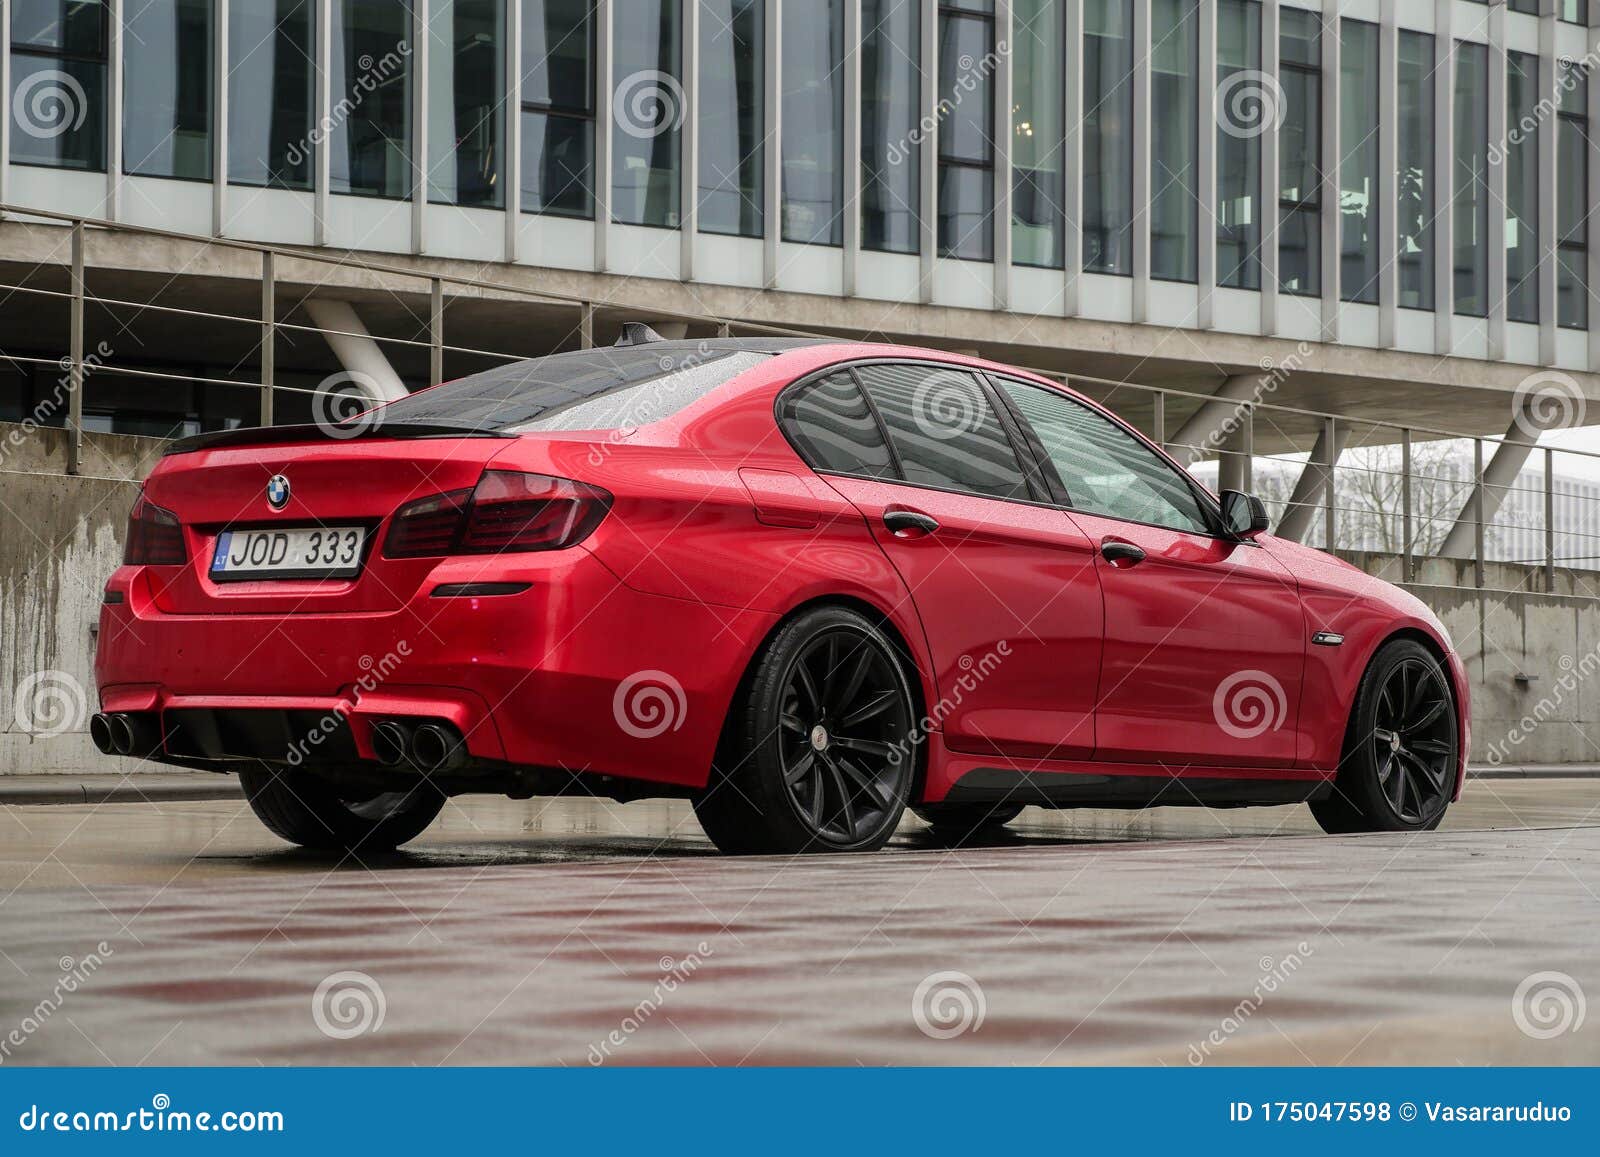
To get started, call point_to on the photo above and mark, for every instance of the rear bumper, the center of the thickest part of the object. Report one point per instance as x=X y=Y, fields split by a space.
x=575 y=670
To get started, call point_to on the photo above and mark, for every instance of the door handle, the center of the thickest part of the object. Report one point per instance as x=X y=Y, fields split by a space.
x=1121 y=554
x=905 y=523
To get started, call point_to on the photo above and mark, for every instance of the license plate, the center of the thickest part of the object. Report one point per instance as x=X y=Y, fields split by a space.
x=289 y=552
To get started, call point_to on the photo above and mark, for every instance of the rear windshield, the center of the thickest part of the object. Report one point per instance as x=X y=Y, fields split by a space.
x=598 y=389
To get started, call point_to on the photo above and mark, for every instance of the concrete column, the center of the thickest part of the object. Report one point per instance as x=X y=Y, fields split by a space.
x=355 y=348
x=1072 y=92
x=1309 y=489
x=1141 y=160
x=1388 y=167
x=1211 y=426
x=1270 y=177
x=1500 y=474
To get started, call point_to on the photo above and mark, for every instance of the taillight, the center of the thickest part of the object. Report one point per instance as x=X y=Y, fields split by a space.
x=506 y=511
x=155 y=537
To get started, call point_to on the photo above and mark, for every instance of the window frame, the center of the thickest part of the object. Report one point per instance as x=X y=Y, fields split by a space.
x=101 y=57
x=548 y=109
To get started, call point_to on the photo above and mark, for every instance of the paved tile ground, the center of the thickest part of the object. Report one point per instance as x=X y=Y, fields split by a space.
x=560 y=932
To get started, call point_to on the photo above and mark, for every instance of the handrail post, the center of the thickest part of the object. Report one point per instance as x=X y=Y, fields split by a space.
x=1407 y=542
x=269 y=334
x=1247 y=449
x=586 y=326
x=436 y=333
x=1549 y=519
x=1158 y=419
x=75 y=369
x=1330 y=514
x=1477 y=512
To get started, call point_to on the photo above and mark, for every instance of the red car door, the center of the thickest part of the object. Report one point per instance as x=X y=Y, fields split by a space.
x=1205 y=636
x=1004 y=585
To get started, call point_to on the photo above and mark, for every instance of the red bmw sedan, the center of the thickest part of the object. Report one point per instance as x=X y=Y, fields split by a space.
x=805 y=584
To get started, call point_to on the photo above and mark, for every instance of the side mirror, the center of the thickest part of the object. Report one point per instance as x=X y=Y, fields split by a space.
x=1245 y=515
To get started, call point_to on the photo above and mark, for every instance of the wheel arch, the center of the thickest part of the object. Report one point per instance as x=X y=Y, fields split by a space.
x=1455 y=679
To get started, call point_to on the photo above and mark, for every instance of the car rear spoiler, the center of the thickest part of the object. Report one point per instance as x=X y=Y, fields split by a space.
x=269 y=435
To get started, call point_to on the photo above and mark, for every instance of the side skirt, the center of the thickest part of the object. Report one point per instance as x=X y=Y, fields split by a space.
x=1082 y=789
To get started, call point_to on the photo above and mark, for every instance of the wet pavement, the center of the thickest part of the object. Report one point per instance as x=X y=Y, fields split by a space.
x=575 y=932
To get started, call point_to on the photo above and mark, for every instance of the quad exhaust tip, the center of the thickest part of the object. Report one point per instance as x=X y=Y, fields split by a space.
x=437 y=747
x=391 y=743
x=100 y=733
x=124 y=734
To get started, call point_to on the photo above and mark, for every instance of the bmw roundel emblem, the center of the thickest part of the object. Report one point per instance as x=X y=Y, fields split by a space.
x=277 y=492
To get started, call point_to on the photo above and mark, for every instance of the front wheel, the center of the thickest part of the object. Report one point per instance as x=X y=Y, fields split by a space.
x=820 y=750
x=313 y=813
x=1399 y=765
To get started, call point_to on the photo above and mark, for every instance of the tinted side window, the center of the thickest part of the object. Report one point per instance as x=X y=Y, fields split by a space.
x=944 y=429
x=1104 y=468
x=830 y=423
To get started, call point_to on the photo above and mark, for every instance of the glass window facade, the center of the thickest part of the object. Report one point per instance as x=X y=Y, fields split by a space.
x=166 y=90
x=466 y=83
x=1359 y=210
x=370 y=89
x=558 y=107
x=1037 y=134
x=1300 y=153
x=1522 y=187
x=813 y=122
x=647 y=112
x=1573 y=148
x=891 y=125
x=1108 y=136
x=1414 y=183
x=1174 y=129
x=966 y=131
x=58 y=83
x=732 y=128
x=1470 y=191
x=272 y=70
x=1244 y=112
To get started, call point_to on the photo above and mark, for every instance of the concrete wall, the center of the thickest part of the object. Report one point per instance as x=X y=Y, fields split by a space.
x=60 y=537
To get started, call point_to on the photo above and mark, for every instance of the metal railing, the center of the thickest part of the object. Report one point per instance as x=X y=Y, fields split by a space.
x=1373 y=492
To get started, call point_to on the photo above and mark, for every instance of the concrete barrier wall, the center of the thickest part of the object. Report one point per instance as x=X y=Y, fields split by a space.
x=60 y=537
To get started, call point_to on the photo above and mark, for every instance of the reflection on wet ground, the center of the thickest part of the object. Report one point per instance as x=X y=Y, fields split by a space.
x=545 y=931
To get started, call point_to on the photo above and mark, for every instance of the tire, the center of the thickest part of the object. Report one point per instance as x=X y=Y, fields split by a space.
x=819 y=751
x=958 y=822
x=309 y=811
x=1401 y=749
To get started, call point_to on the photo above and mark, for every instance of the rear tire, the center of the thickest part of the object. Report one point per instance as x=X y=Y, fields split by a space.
x=311 y=812
x=957 y=822
x=820 y=750
x=1401 y=749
